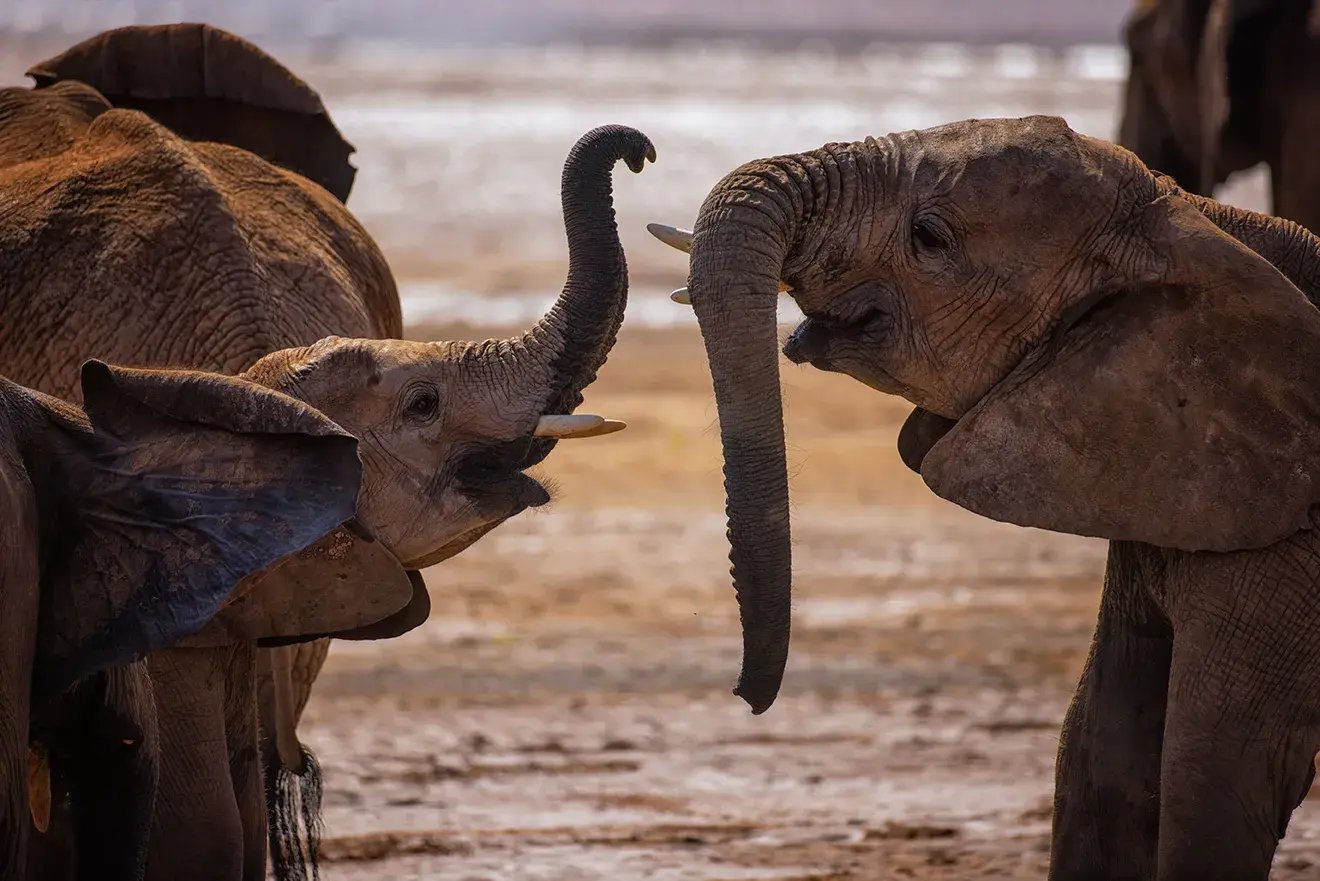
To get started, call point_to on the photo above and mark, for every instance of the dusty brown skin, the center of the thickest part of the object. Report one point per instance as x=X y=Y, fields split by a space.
x=1217 y=86
x=1093 y=351
x=126 y=529
x=144 y=247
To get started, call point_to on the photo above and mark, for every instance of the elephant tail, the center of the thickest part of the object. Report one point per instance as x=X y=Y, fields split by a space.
x=293 y=810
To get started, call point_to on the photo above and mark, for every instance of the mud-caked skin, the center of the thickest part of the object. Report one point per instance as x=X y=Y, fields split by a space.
x=174 y=197
x=1091 y=350
x=1218 y=86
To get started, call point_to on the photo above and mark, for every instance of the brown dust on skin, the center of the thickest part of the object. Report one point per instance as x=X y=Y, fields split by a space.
x=566 y=714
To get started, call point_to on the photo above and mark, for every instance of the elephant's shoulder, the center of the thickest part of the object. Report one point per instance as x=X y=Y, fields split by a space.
x=37 y=124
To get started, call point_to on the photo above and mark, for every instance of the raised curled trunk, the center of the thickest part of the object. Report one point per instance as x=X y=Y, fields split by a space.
x=750 y=224
x=574 y=338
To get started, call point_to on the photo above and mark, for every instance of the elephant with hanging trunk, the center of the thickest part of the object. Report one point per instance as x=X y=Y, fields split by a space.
x=1090 y=350
x=1218 y=86
x=174 y=196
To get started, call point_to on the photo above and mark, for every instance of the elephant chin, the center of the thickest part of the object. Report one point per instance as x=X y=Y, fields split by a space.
x=922 y=431
x=454 y=547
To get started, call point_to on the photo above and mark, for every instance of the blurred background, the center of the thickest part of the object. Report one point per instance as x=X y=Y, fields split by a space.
x=565 y=713
x=462 y=111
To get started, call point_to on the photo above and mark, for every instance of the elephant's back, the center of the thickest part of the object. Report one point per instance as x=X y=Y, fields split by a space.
x=137 y=247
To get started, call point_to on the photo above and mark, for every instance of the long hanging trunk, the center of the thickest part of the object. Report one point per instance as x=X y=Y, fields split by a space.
x=1290 y=247
x=751 y=223
x=574 y=338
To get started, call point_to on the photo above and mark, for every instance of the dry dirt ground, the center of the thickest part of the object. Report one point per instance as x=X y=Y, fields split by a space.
x=565 y=714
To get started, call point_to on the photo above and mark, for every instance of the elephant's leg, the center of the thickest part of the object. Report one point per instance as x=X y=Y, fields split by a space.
x=245 y=760
x=1295 y=170
x=113 y=770
x=293 y=800
x=198 y=830
x=1106 y=801
x=1243 y=722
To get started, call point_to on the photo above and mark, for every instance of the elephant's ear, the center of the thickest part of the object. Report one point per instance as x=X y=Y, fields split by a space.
x=186 y=484
x=344 y=582
x=1182 y=410
x=210 y=85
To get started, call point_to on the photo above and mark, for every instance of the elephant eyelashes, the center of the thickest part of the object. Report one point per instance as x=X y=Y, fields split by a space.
x=929 y=236
x=421 y=406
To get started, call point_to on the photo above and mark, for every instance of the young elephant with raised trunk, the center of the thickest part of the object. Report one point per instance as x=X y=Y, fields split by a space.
x=174 y=196
x=1093 y=351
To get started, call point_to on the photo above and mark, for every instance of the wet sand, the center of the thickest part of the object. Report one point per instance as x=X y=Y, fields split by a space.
x=566 y=713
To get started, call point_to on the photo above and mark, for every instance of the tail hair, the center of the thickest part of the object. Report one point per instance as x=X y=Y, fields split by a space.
x=293 y=810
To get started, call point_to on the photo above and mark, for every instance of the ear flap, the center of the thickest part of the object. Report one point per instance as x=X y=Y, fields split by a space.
x=209 y=85
x=343 y=582
x=1182 y=412
x=187 y=484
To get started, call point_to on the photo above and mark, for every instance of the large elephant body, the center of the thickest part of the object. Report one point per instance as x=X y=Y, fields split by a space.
x=196 y=229
x=126 y=241
x=1091 y=350
x=1218 y=86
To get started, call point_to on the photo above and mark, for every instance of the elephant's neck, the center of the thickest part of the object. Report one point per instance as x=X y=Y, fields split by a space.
x=1290 y=247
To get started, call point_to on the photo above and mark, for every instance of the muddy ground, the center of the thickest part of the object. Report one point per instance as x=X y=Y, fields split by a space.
x=566 y=713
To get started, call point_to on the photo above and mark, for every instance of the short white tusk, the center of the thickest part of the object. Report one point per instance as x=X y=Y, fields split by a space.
x=683 y=298
x=567 y=427
x=672 y=236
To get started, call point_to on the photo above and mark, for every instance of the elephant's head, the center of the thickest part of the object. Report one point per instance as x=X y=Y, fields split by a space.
x=1082 y=343
x=1197 y=71
x=448 y=429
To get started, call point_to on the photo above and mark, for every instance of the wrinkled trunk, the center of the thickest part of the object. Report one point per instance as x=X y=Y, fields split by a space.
x=574 y=338
x=1290 y=247
x=749 y=225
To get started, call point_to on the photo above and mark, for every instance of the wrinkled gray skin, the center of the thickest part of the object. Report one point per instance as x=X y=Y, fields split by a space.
x=1091 y=350
x=1217 y=87
x=189 y=231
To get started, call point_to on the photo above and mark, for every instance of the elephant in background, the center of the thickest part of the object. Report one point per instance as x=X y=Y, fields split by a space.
x=1218 y=86
x=1090 y=350
x=182 y=232
x=127 y=527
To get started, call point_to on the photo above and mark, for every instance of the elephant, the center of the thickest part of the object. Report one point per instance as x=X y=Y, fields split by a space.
x=175 y=198
x=127 y=527
x=1091 y=350
x=1218 y=86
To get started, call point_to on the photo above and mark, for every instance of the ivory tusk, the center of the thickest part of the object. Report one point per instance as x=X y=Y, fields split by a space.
x=568 y=427
x=672 y=236
x=683 y=298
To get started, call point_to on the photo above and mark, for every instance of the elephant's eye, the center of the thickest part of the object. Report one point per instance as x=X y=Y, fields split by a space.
x=929 y=235
x=422 y=405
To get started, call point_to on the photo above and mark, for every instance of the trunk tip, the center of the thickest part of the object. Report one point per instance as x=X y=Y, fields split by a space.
x=758 y=692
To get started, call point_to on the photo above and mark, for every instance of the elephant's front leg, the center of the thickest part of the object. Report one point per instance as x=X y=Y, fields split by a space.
x=1106 y=802
x=113 y=768
x=1243 y=722
x=241 y=729
x=198 y=831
